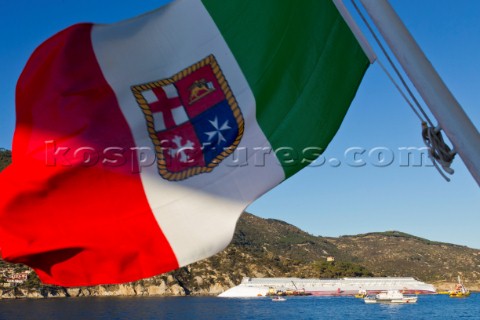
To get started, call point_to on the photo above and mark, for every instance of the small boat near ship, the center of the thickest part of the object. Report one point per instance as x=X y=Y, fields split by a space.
x=361 y=294
x=390 y=296
x=277 y=299
x=460 y=291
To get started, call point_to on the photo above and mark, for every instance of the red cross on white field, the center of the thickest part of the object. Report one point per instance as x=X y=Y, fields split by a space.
x=166 y=107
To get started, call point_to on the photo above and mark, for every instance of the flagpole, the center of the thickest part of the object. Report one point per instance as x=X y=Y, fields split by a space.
x=441 y=102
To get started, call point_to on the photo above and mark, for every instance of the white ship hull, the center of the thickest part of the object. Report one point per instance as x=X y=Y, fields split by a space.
x=259 y=287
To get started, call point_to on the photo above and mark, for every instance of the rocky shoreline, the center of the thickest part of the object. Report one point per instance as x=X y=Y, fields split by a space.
x=168 y=286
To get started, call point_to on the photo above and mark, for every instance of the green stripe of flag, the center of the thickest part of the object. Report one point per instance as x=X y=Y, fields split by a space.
x=302 y=63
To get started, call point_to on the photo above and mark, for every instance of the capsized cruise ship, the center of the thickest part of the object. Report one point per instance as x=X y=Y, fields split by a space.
x=258 y=287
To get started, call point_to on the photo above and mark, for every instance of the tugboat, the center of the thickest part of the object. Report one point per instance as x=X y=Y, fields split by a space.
x=361 y=294
x=460 y=291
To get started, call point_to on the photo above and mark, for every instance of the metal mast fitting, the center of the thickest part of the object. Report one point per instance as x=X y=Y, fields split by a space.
x=452 y=118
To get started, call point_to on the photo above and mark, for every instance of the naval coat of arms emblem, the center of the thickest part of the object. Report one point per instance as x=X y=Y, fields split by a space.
x=192 y=118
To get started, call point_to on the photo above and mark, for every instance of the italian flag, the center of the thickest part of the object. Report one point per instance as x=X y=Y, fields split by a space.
x=139 y=144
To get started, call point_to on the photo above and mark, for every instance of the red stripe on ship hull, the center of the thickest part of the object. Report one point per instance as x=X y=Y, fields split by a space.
x=76 y=222
x=332 y=293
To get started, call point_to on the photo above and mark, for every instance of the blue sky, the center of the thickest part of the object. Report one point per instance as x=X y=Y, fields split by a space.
x=325 y=200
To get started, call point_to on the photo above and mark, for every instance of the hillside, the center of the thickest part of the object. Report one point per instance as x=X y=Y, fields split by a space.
x=390 y=253
x=398 y=254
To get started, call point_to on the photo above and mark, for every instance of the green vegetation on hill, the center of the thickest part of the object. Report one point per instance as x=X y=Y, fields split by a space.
x=398 y=254
x=398 y=234
x=340 y=269
x=5 y=158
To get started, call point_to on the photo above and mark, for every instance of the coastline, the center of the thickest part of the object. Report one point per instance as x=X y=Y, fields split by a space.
x=168 y=288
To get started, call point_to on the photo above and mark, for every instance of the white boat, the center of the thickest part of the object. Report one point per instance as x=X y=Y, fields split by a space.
x=390 y=296
x=278 y=299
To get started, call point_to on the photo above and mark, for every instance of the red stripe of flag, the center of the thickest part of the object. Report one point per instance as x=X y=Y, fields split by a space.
x=99 y=219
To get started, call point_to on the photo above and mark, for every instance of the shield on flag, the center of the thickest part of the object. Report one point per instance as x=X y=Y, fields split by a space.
x=192 y=118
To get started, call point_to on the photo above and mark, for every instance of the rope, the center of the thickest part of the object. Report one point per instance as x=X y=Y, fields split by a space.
x=389 y=75
x=438 y=151
x=392 y=64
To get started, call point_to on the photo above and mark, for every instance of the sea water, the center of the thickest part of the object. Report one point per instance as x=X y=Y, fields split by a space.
x=294 y=308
